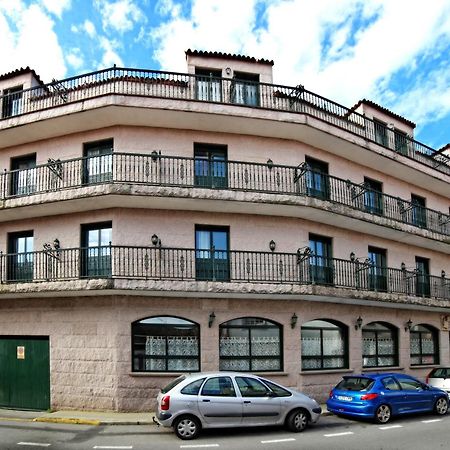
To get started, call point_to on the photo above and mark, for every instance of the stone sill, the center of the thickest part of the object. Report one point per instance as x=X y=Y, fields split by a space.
x=382 y=369
x=325 y=371
x=425 y=366
x=177 y=374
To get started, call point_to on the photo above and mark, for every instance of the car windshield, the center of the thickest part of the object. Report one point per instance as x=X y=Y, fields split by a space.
x=355 y=384
x=172 y=384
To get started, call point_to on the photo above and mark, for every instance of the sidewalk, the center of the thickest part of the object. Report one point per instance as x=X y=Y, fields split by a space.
x=90 y=418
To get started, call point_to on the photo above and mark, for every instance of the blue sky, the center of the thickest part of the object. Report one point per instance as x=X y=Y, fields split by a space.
x=393 y=52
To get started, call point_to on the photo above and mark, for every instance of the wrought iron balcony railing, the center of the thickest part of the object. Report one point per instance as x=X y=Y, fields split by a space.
x=157 y=170
x=155 y=263
x=181 y=86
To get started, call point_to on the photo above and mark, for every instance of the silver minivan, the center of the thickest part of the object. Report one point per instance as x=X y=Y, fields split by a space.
x=231 y=399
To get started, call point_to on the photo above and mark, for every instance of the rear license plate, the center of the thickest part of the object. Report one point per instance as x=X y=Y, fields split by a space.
x=344 y=398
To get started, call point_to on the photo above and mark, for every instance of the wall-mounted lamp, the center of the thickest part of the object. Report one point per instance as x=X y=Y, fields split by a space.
x=352 y=257
x=443 y=273
x=228 y=70
x=269 y=163
x=56 y=244
x=155 y=155
x=272 y=245
x=211 y=319
x=294 y=320
x=403 y=266
x=408 y=325
x=156 y=241
x=358 y=323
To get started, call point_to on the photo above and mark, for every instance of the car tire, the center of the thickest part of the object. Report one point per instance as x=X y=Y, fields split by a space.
x=297 y=420
x=383 y=414
x=441 y=406
x=187 y=427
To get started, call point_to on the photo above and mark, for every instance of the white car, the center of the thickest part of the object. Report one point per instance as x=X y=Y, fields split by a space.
x=440 y=378
x=231 y=399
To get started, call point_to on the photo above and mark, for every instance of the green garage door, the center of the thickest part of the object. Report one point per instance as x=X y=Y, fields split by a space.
x=24 y=372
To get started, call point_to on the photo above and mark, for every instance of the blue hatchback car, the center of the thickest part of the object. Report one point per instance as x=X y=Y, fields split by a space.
x=381 y=396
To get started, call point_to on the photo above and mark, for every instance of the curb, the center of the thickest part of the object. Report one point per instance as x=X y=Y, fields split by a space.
x=67 y=421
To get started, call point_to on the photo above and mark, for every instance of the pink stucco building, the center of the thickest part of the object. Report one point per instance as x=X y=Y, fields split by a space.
x=153 y=223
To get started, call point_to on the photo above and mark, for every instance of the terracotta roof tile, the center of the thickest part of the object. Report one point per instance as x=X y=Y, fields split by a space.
x=190 y=52
x=21 y=71
x=384 y=110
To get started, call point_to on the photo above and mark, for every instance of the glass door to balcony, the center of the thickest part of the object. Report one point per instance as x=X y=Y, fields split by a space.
x=377 y=275
x=422 y=277
x=321 y=262
x=20 y=256
x=373 y=197
x=12 y=102
x=317 y=181
x=23 y=175
x=245 y=89
x=418 y=211
x=208 y=85
x=96 y=250
x=380 y=130
x=210 y=166
x=97 y=167
x=211 y=254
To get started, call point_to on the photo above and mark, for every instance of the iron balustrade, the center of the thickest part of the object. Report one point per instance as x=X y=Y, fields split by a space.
x=182 y=86
x=236 y=266
x=155 y=169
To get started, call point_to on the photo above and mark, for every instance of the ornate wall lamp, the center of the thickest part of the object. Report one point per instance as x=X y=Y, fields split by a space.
x=156 y=241
x=211 y=319
x=294 y=320
x=408 y=325
x=272 y=245
x=358 y=323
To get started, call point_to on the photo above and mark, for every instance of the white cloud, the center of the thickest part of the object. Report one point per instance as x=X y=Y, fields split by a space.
x=110 y=57
x=28 y=39
x=75 y=58
x=89 y=27
x=120 y=15
x=56 y=6
x=344 y=50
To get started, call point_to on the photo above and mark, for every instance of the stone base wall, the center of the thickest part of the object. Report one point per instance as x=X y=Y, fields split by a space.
x=90 y=342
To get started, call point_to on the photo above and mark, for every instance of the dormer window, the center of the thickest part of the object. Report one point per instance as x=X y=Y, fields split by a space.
x=208 y=85
x=12 y=101
x=245 y=89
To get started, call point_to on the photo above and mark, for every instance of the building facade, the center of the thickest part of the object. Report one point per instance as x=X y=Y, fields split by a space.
x=153 y=223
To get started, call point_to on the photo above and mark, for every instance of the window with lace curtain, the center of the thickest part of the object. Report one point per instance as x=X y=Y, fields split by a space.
x=424 y=346
x=250 y=344
x=380 y=345
x=165 y=344
x=324 y=345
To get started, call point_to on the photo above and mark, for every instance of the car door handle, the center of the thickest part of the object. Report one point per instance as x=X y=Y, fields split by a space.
x=247 y=401
x=206 y=400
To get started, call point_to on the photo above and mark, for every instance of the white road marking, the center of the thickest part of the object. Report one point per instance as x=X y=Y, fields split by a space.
x=274 y=441
x=199 y=445
x=346 y=433
x=34 y=444
x=389 y=427
x=431 y=420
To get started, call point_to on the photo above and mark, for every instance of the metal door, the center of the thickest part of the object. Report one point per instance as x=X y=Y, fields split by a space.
x=24 y=372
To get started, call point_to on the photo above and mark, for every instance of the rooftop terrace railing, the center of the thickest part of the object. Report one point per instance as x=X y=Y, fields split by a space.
x=156 y=263
x=181 y=86
x=155 y=169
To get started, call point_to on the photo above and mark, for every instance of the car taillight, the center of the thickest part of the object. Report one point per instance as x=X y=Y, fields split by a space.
x=369 y=396
x=165 y=403
x=331 y=394
x=426 y=379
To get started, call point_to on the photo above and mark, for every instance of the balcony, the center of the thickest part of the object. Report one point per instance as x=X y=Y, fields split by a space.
x=154 y=170
x=208 y=272
x=179 y=86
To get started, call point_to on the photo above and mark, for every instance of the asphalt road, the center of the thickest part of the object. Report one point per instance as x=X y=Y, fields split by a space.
x=424 y=432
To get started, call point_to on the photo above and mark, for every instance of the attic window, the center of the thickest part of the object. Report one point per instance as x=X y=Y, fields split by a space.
x=245 y=89
x=12 y=101
x=208 y=85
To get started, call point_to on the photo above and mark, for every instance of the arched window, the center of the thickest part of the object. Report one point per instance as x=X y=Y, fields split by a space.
x=165 y=344
x=250 y=344
x=424 y=345
x=380 y=345
x=324 y=345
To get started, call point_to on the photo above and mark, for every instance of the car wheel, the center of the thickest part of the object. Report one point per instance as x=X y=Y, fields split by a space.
x=187 y=427
x=441 y=406
x=297 y=420
x=383 y=414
